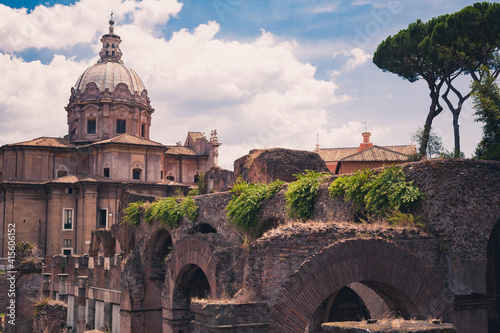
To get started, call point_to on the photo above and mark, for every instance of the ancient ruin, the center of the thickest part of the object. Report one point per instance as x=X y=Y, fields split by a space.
x=204 y=277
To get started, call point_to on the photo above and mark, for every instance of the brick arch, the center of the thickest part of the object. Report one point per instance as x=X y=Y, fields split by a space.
x=193 y=251
x=374 y=262
x=189 y=254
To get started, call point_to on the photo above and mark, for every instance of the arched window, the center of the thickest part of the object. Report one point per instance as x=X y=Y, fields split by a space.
x=106 y=172
x=61 y=171
x=170 y=176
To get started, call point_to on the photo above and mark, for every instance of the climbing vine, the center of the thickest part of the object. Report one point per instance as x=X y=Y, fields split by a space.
x=168 y=211
x=244 y=207
x=302 y=193
x=378 y=193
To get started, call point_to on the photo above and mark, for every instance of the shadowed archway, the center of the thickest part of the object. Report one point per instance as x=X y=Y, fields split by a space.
x=396 y=275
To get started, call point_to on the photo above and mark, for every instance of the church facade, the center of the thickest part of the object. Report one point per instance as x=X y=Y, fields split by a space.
x=57 y=190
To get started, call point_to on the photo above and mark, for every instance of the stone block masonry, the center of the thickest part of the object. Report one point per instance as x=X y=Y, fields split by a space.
x=203 y=277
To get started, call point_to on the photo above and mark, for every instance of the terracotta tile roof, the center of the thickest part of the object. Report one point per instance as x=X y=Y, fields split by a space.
x=45 y=142
x=376 y=154
x=129 y=139
x=25 y=181
x=180 y=150
x=403 y=149
x=336 y=154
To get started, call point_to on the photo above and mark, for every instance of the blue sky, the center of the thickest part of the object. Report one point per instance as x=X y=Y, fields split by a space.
x=263 y=73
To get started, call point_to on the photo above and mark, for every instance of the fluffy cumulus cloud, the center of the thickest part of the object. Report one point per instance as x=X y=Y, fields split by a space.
x=255 y=93
x=62 y=26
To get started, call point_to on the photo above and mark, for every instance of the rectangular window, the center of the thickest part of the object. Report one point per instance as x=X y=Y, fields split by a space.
x=136 y=174
x=102 y=219
x=67 y=252
x=106 y=172
x=68 y=219
x=143 y=127
x=91 y=126
x=66 y=242
x=120 y=126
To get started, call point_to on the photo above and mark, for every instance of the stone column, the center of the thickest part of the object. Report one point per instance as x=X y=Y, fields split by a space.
x=63 y=294
x=81 y=301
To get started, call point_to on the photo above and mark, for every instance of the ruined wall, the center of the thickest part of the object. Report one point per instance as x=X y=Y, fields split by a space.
x=293 y=267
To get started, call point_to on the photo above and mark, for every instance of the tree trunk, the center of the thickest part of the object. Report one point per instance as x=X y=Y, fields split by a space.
x=434 y=110
x=456 y=132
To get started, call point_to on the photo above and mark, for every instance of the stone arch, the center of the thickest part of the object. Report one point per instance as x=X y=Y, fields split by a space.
x=493 y=278
x=157 y=249
x=191 y=256
x=384 y=267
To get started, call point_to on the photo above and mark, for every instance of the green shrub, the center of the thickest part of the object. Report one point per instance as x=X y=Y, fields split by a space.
x=377 y=194
x=189 y=209
x=168 y=211
x=244 y=207
x=302 y=193
x=132 y=213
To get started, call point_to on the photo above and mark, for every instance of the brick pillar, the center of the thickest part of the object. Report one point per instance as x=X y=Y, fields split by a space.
x=81 y=301
x=471 y=313
x=63 y=294
x=46 y=285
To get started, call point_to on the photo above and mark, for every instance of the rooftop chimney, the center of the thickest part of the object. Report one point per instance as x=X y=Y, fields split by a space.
x=366 y=142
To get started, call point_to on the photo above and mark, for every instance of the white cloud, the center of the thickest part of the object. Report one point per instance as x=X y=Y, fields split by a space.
x=325 y=8
x=353 y=58
x=62 y=26
x=256 y=93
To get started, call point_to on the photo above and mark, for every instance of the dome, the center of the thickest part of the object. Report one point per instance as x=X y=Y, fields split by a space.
x=107 y=74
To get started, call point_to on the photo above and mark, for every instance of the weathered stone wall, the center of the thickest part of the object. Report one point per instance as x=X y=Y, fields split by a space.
x=422 y=272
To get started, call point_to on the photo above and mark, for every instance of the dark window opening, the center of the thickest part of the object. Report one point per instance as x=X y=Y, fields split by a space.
x=107 y=53
x=170 y=177
x=107 y=45
x=113 y=45
x=91 y=126
x=196 y=178
x=66 y=252
x=136 y=174
x=106 y=172
x=69 y=190
x=143 y=130
x=113 y=53
x=120 y=126
x=102 y=218
x=68 y=219
x=202 y=228
x=161 y=174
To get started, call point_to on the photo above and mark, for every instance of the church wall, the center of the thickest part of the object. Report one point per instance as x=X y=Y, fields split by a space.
x=87 y=216
x=25 y=207
x=58 y=201
x=9 y=171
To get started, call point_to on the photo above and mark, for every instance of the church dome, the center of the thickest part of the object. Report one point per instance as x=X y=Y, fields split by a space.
x=108 y=74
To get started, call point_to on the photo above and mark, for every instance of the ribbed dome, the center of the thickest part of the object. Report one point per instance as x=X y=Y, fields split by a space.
x=107 y=74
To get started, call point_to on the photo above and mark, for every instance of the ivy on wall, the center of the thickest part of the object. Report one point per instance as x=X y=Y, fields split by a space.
x=168 y=211
x=301 y=194
x=378 y=194
x=244 y=207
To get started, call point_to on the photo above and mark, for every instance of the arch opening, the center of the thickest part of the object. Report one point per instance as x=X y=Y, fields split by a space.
x=359 y=301
x=158 y=249
x=493 y=278
x=202 y=228
x=191 y=283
